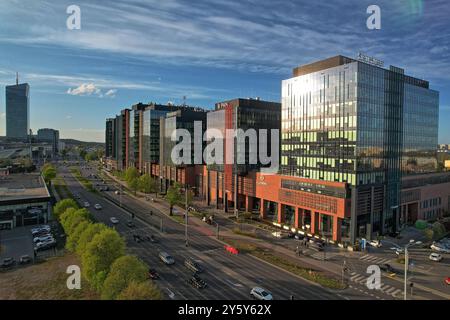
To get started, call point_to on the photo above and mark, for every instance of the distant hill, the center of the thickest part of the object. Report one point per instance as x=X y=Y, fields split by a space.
x=82 y=143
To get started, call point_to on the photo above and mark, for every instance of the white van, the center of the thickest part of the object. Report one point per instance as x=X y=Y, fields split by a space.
x=166 y=258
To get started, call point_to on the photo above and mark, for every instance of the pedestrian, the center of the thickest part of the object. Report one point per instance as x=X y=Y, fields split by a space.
x=292 y=297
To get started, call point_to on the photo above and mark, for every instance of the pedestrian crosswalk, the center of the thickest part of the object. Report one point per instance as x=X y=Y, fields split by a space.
x=321 y=256
x=385 y=288
x=374 y=259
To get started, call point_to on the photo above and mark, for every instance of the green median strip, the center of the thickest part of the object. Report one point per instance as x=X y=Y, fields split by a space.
x=85 y=182
x=268 y=256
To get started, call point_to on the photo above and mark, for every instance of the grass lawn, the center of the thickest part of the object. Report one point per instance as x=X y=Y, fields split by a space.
x=44 y=281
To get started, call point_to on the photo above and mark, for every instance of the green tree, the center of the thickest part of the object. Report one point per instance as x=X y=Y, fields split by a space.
x=131 y=173
x=49 y=173
x=99 y=255
x=147 y=184
x=87 y=235
x=174 y=196
x=61 y=206
x=70 y=221
x=82 y=153
x=141 y=291
x=123 y=271
x=74 y=237
x=133 y=184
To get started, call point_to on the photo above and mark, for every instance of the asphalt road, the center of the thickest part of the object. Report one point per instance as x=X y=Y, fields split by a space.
x=228 y=277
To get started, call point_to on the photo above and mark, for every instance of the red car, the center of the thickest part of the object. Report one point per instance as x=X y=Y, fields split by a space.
x=447 y=281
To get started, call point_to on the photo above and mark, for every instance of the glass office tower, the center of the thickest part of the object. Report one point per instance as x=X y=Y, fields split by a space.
x=348 y=121
x=18 y=111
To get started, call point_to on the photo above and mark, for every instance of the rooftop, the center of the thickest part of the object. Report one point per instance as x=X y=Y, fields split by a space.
x=22 y=187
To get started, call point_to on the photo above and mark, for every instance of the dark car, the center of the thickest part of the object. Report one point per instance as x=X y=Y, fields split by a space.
x=387 y=268
x=25 y=259
x=8 y=262
x=153 y=239
x=152 y=274
x=197 y=282
x=131 y=224
x=137 y=238
x=193 y=266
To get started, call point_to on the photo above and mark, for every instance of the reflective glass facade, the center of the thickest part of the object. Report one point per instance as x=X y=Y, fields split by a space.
x=18 y=111
x=150 y=135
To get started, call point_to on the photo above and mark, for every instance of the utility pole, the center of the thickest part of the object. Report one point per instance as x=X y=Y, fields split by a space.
x=406 y=272
x=186 y=216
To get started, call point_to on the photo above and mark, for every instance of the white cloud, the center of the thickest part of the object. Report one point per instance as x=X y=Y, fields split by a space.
x=90 y=89
x=85 y=89
x=111 y=93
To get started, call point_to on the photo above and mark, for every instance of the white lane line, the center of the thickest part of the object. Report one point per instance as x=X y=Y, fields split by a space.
x=386 y=286
x=396 y=292
x=358 y=278
x=390 y=290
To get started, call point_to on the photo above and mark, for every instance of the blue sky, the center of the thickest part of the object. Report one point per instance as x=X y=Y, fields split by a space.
x=161 y=50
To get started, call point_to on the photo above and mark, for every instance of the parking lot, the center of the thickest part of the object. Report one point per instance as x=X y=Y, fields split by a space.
x=19 y=242
x=16 y=243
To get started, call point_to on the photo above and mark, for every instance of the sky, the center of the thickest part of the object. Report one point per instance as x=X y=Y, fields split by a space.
x=130 y=51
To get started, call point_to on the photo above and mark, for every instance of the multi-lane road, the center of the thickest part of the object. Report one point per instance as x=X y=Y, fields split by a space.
x=228 y=277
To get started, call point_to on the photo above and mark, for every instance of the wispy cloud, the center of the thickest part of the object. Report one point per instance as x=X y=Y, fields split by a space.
x=85 y=89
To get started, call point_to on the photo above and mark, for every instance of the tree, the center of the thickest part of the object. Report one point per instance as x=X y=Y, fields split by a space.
x=147 y=184
x=123 y=271
x=62 y=206
x=87 y=235
x=141 y=291
x=174 y=196
x=99 y=255
x=131 y=173
x=70 y=220
x=133 y=184
x=82 y=153
x=49 y=173
x=72 y=239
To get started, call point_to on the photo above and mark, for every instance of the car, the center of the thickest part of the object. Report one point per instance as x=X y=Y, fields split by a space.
x=166 y=258
x=131 y=224
x=279 y=235
x=86 y=204
x=25 y=259
x=42 y=233
x=152 y=274
x=375 y=243
x=447 y=281
x=42 y=246
x=387 y=268
x=291 y=235
x=114 y=220
x=399 y=251
x=8 y=262
x=261 y=294
x=193 y=266
x=440 y=248
x=98 y=206
x=43 y=238
x=43 y=227
x=117 y=192
x=299 y=237
x=197 y=282
x=435 y=257
x=137 y=238
x=152 y=239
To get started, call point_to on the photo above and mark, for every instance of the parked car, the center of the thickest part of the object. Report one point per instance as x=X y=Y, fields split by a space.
x=435 y=257
x=43 y=239
x=117 y=192
x=114 y=220
x=261 y=294
x=8 y=262
x=279 y=235
x=41 y=246
x=98 y=206
x=440 y=248
x=299 y=237
x=87 y=204
x=42 y=233
x=193 y=266
x=40 y=228
x=25 y=259
x=166 y=258
x=152 y=274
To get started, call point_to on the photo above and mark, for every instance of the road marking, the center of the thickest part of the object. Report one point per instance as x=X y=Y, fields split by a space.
x=383 y=288
x=396 y=292
x=390 y=290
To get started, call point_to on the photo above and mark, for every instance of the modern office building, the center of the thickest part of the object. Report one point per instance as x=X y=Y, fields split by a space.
x=18 y=111
x=348 y=121
x=50 y=136
x=252 y=116
x=110 y=138
x=24 y=200
x=169 y=172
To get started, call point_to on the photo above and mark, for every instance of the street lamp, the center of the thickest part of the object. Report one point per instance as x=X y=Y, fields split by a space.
x=410 y=244
x=186 y=189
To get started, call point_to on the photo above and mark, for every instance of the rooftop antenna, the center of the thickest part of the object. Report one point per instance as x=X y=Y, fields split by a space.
x=17 y=78
x=184 y=101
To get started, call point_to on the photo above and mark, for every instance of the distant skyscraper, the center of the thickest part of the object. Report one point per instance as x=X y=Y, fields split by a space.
x=17 y=110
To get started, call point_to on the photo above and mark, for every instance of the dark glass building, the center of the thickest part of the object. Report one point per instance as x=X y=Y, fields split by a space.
x=18 y=111
x=348 y=121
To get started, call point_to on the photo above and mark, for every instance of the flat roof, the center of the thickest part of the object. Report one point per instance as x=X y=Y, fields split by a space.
x=26 y=186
